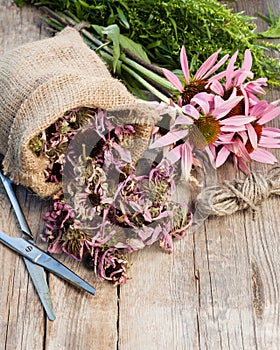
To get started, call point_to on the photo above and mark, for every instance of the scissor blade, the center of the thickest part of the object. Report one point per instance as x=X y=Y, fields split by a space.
x=11 y=194
x=36 y=272
x=38 y=277
x=62 y=271
x=39 y=257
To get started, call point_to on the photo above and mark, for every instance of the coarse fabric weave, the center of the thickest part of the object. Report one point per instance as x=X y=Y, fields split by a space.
x=42 y=80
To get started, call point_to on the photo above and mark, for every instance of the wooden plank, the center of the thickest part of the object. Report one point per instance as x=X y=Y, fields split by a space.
x=218 y=290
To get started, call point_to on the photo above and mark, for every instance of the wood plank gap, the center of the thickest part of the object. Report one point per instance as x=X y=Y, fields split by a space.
x=209 y=273
x=118 y=317
x=250 y=264
x=7 y=328
x=198 y=331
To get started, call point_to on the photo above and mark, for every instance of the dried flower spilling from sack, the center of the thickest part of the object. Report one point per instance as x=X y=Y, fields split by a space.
x=108 y=207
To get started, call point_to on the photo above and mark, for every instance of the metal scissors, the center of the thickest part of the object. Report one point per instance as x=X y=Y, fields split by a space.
x=35 y=259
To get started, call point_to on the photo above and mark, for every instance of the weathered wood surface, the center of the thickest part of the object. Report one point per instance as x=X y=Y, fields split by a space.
x=218 y=290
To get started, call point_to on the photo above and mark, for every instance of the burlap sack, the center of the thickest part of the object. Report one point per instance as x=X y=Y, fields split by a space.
x=39 y=82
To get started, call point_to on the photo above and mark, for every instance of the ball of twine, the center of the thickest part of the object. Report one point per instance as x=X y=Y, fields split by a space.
x=238 y=195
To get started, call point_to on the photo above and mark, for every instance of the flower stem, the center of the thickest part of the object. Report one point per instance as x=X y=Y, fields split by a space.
x=156 y=82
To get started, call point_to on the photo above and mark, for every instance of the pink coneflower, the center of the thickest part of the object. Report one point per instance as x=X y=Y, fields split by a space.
x=261 y=136
x=199 y=81
x=209 y=114
x=235 y=78
x=248 y=145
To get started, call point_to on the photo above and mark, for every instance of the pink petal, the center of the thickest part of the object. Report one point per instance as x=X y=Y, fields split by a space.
x=270 y=115
x=230 y=69
x=226 y=137
x=242 y=76
x=173 y=155
x=240 y=150
x=252 y=135
x=217 y=66
x=170 y=138
x=271 y=132
x=231 y=128
x=173 y=79
x=237 y=120
x=247 y=64
x=202 y=102
x=223 y=107
x=206 y=65
x=185 y=65
x=246 y=100
x=259 y=108
x=203 y=99
x=217 y=87
x=263 y=156
x=191 y=111
x=217 y=76
x=242 y=164
x=183 y=120
x=186 y=159
x=269 y=143
x=222 y=156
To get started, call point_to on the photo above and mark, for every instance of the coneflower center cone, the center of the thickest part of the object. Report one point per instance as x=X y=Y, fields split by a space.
x=192 y=89
x=209 y=129
x=239 y=109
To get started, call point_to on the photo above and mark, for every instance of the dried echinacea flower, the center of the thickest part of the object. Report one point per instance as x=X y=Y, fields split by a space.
x=108 y=263
x=53 y=142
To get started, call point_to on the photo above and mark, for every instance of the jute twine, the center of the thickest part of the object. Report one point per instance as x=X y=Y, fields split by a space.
x=238 y=195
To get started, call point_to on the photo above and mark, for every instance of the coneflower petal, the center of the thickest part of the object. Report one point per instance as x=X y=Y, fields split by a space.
x=202 y=99
x=247 y=63
x=217 y=66
x=170 y=138
x=185 y=65
x=237 y=120
x=271 y=132
x=263 y=156
x=230 y=128
x=253 y=137
x=191 y=111
x=203 y=69
x=183 y=119
x=222 y=156
x=173 y=79
x=230 y=70
x=270 y=115
x=216 y=87
x=186 y=159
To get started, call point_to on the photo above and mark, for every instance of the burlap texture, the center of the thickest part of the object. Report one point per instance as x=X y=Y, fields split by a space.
x=39 y=82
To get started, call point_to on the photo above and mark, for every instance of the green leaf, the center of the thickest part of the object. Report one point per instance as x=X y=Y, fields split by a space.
x=112 y=33
x=133 y=47
x=271 y=33
x=123 y=18
x=97 y=28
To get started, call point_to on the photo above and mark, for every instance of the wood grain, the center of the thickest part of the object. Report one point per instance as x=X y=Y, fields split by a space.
x=219 y=289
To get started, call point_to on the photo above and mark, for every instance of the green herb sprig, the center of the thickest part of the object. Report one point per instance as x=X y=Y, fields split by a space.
x=163 y=26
